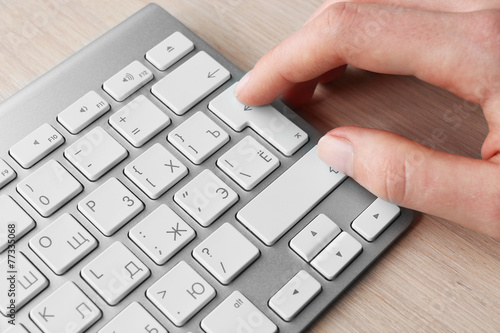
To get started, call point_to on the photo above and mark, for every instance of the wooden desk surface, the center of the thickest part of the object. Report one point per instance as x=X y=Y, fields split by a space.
x=439 y=276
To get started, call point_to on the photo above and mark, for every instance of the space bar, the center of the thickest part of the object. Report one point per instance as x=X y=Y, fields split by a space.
x=283 y=203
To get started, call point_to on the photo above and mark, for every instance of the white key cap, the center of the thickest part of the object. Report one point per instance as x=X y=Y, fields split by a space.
x=295 y=295
x=155 y=171
x=283 y=203
x=133 y=319
x=226 y=253
x=11 y=213
x=16 y=329
x=21 y=281
x=198 y=137
x=83 y=112
x=189 y=83
x=180 y=293
x=248 y=163
x=337 y=255
x=95 y=153
x=162 y=234
x=237 y=314
x=49 y=188
x=66 y=309
x=110 y=206
x=36 y=146
x=206 y=197
x=7 y=174
x=265 y=120
x=139 y=121
x=378 y=216
x=115 y=273
x=63 y=243
x=169 y=51
x=127 y=81
x=314 y=237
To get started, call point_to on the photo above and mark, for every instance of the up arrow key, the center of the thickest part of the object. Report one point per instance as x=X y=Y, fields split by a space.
x=313 y=233
x=295 y=292
x=376 y=216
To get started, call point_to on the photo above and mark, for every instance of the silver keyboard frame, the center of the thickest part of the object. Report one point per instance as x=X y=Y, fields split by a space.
x=42 y=100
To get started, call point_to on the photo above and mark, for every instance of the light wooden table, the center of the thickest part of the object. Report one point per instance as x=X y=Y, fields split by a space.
x=439 y=276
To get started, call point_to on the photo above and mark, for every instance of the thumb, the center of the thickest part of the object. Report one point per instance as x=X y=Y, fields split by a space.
x=412 y=175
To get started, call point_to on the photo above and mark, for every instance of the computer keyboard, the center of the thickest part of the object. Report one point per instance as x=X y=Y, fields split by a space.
x=137 y=194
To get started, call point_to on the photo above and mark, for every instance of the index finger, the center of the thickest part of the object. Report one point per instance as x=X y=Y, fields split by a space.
x=430 y=45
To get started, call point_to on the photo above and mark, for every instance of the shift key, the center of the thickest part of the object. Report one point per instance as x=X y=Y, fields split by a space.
x=36 y=146
x=290 y=197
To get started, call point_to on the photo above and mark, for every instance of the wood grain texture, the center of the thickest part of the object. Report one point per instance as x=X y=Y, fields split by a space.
x=438 y=277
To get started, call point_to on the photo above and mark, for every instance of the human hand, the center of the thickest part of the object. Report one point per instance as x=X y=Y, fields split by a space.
x=453 y=44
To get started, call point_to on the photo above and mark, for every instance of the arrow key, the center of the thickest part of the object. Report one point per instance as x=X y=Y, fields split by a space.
x=314 y=237
x=375 y=219
x=295 y=295
x=337 y=256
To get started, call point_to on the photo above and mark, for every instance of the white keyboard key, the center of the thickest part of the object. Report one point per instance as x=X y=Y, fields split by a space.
x=20 y=277
x=169 y=51
x=67 y=309
x=314 y=237
x=115 y=273
x=17 y=328
x=283 y=203
x=226 y=253
x=189 y=83
x=7 y=174
x=337 y=255
x=12 y=214
x=180 y=293
x=206 y=197
x=133 y=319
x=139 y=121
x=295 y=295
x=49 y=188
x=95 y=153
x=275 y=128
x=127 y=81
x=83 y=112
x=378 y=216
x=110 y=206
x=198 y=137
x=162 y=234
x=248 y=163
x=63 y=243
x=155 y=171
x=237 y=314
x=36 y=146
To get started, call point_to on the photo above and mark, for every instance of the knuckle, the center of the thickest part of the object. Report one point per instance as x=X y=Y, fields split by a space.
x=337 y=16
x=395 y=181
x=486 y=27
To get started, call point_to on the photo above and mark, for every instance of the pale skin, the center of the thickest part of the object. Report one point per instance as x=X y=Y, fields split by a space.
x=453 y=44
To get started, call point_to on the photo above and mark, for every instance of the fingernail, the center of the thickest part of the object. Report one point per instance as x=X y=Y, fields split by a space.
x=242 y=84
x=337 y=152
